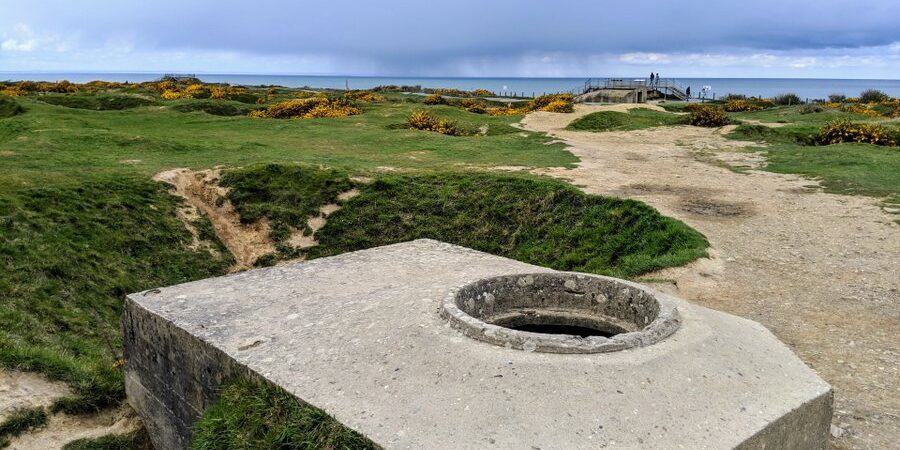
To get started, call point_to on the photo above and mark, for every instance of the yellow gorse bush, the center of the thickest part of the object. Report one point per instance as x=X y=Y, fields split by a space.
x=308 y=108
x=843 y=130
x=423 y=120
x=364 y=96
x=12 y=92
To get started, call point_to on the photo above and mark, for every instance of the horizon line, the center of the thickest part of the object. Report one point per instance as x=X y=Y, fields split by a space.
x=411 y=76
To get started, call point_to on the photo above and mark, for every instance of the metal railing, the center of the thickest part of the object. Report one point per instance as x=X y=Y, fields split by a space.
x=666 y=86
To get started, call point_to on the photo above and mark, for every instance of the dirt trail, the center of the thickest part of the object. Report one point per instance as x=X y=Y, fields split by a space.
x=819 y=270
x=247 y=242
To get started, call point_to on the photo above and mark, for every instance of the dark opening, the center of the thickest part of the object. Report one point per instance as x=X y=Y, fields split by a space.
x=551 y=328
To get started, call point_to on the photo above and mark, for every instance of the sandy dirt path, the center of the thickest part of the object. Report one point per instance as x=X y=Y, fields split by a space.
x=819 y=270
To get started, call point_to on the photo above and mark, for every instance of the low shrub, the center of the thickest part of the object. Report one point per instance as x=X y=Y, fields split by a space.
x=837 y=98
x=873 y=96
x=741 y=105
x=506 y=111
x=308 y=108
x=844 y=130
x=12 y=91
x=423 y=120
x=435 y=99
x=560 y=102
x=559 y=106
x=692 y=107
x=731 y=97
x=810 y=109
x=364 y=96
x=482 y=93
x=787 y=99
x=860 y=109
x=709 y=116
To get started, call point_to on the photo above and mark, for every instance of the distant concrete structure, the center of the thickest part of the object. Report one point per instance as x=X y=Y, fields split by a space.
x=637 y=90
x=430 y=345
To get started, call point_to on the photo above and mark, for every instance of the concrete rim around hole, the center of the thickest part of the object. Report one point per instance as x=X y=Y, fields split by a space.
x=663 y=325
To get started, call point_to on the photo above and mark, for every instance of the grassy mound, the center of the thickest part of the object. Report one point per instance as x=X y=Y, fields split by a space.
x=214 y=107
x=68 y=254
x=286 y=195
x=258 y=415
x=96 y=102
x=540 y=221
x=634 y=119
x=9 y=107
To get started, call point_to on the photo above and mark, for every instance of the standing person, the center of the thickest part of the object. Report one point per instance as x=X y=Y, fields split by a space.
x=651 y=78
x=688 y=92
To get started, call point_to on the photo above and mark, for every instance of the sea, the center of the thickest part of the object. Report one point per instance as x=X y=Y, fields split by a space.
x=807 y=88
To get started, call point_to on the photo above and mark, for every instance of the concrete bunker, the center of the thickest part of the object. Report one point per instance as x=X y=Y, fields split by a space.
x=560 y=313
x=372 y=338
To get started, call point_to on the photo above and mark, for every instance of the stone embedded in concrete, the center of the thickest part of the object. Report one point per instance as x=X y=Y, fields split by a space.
x=361 y=336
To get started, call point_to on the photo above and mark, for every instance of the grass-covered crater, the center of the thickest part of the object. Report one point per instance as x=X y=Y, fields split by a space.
x=535 y=220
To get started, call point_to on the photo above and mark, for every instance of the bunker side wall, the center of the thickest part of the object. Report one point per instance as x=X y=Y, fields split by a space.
x=171 y=377
x=804 y=428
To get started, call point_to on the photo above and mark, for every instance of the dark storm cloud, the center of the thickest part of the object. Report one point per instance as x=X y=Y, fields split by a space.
x=403 y=35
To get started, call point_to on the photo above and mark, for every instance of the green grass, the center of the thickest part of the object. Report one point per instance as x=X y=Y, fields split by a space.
x=20 y=421
x=286 y=195
x=97 y=102
x=794 y=115
x=68 y=254
x=634 y=119
x=536 y=220
x=861 y=169
x=51 y=143
x=82 y=224
x=256 y=415
x=9 y=107
x=138 y=440
x=214 y=107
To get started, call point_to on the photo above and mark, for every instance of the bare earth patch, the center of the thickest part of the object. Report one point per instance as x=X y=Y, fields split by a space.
x=301 y=240
x=822 y=271
x=247 y=242
x=29 y=390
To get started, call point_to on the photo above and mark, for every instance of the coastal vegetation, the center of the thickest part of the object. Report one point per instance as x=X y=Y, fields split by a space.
x=848 y=152
x=82 y=223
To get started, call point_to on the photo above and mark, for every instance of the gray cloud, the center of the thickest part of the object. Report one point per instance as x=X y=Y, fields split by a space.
x=414 y=37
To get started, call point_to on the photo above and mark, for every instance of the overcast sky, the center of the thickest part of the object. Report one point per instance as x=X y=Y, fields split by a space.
x=710 y=38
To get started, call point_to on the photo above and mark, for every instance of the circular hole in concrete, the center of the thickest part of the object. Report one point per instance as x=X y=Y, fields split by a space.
x=561 y=312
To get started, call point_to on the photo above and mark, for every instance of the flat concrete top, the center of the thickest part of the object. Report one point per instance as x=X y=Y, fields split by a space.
x=360 y=336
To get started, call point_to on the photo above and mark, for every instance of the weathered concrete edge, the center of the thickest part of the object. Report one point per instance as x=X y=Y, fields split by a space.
x=167 y=429
x=813 y=417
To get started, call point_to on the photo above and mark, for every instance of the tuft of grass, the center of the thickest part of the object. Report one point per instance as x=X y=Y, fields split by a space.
x=138 y=440
x=9 y=107
x=258 y=415
x=535 y=220
x=68 y=255
x=634 y=119
x=20 y=421
x=96 y=102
